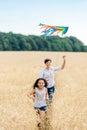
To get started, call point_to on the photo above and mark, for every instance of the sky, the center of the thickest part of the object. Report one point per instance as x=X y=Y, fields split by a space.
x=24 y=16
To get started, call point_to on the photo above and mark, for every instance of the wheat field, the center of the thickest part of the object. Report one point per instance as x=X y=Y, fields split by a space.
x=18 y=72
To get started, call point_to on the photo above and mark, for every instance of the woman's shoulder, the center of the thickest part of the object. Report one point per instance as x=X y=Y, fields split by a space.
x=43 y=69
x=52 y=68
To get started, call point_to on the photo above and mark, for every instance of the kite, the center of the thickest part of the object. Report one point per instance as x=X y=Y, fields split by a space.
x=50 y=30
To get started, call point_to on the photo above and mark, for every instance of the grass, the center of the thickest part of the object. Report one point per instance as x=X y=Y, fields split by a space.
x=19 y=70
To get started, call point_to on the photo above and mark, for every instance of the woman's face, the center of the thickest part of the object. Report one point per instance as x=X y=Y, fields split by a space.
x=41 y=84
x=48 y=64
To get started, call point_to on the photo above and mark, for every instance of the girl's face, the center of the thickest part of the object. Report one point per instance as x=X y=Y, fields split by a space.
x=41 y=84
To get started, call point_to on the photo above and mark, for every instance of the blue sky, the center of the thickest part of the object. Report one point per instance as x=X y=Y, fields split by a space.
x=24 y=16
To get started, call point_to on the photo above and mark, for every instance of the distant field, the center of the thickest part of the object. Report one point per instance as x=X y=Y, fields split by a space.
x=19 y=70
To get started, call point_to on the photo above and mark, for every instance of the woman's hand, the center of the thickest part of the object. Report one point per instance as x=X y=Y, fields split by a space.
x=64 y=57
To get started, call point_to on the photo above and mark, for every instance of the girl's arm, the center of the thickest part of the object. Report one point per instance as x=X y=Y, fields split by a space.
x=31 y=94
x=47 y=98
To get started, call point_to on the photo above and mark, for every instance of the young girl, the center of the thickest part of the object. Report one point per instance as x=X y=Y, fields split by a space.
x=39 y=95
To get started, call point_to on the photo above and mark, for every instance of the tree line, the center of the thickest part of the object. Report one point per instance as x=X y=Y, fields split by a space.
x=18 y=42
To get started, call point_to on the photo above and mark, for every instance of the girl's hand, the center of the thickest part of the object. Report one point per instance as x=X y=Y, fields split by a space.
x=31 y=96
x=27 y=95
x=47 y=99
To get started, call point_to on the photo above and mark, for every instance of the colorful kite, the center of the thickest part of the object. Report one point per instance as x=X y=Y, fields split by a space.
x=50 y=30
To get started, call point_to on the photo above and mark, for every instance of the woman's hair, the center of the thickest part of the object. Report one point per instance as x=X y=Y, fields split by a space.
x=46 y=60
x=36 y=82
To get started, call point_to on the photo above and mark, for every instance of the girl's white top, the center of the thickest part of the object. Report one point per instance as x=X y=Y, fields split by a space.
x=40 y=97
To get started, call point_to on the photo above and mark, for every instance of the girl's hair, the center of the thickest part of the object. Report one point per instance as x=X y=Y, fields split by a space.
x=36 y=82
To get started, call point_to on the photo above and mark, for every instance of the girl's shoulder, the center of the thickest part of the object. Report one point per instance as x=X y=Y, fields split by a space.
x=45 y=89
x=35 y=88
